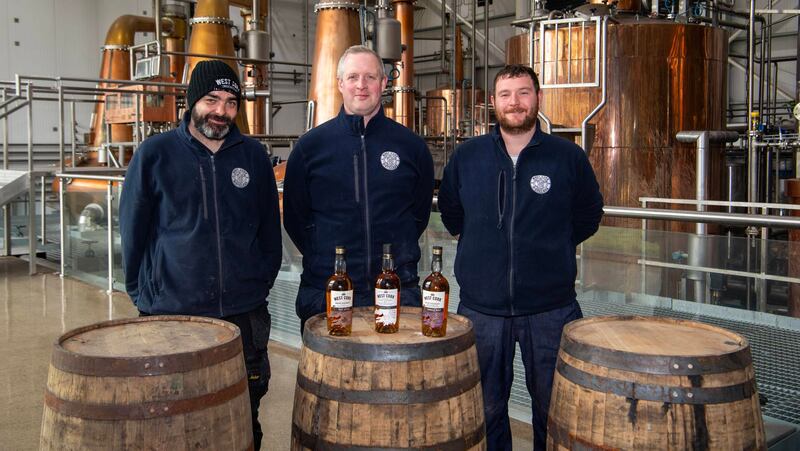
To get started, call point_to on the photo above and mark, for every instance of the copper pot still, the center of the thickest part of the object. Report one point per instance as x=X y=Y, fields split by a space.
x=663 y=77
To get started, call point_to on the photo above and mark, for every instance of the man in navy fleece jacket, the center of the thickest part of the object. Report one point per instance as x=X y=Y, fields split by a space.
x=520 y=201
x=359 y=180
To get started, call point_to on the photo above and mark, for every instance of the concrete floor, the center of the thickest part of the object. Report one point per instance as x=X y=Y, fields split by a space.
x=36 y=310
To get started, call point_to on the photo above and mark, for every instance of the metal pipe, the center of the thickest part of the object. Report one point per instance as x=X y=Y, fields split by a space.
x=473 y=90
x=485 y=63
x=443 y=45
x=604 y=68
x=236 y=58
x=6 y=208
x=60 y=128
x=42 y=222
x=110 y=236
x=157 y=20
x=752 y=178
x=62 y=226
x=31 y=188
x=72 y=131
x=730 y=219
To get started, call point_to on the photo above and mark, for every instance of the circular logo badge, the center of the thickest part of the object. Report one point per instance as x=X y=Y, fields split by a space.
x=390 y=160
x=540 y=184
x=240 y=178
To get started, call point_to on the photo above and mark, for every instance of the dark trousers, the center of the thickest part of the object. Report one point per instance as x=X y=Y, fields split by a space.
x=255 y=326
x=311 y=301
x=538 y=336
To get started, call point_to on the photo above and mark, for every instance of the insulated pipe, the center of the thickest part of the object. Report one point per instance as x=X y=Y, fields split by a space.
x=698 y=245
x=752 y=164
x=403 y=111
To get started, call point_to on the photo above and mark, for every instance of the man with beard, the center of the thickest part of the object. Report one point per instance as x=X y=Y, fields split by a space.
x=520 y=201
x=200 y=223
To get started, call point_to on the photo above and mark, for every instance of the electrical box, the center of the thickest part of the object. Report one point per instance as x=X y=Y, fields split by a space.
x=156 y=107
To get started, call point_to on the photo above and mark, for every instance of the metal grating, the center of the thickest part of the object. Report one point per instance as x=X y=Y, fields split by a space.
x=776 y=351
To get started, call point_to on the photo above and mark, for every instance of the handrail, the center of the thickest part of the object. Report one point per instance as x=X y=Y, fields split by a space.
x=737 y=219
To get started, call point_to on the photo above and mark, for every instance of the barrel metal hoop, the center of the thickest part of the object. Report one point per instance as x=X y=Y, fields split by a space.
x=657 y=364
x=156 y=365
x=562 y=438
x=311 y=441
x=429 y=395
x=335 y=5
x=659 y=393
x=211 y=20
x=144 y=410
x=370 y=352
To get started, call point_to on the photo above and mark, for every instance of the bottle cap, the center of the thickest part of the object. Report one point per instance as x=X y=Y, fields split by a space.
x=387 y=248
x=437 y=250
x=339 y=250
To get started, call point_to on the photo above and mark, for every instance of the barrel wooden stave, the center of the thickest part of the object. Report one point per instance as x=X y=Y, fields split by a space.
x=582 y=417
x=206 y=407
x=389 y=404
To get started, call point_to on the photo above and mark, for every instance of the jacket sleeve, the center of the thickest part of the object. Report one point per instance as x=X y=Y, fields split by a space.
x=587 y=202
x=449 y=201
x=296 y=199
x=136 y=207
x=271 y=225
x=423 y=191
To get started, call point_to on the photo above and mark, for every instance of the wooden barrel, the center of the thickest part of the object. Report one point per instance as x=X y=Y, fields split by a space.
x=395 y=391
x=158 y=382
x=653 y=383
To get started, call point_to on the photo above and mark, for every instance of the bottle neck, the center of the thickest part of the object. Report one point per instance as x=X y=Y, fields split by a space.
x=436 y=264
x=388 y=263
x=339 y=265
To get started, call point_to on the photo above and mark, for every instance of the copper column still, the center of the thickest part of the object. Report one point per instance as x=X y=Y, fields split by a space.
x=436 y=119
x=663 y=77
x=403 y=111
x=255 y=75
x=116 y=66
x=338 y=28
x=176 y=41
x=211 y=35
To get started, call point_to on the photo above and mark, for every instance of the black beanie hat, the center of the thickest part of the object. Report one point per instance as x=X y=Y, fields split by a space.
x=211 y=75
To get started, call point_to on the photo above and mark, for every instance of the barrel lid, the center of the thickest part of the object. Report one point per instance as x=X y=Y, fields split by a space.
x=656 y=344
x=407 y=344
x=146 y=346
x=655 y=336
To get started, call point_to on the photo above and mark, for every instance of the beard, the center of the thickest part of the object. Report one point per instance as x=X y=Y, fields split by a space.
x=525 y=126
x=209 y=130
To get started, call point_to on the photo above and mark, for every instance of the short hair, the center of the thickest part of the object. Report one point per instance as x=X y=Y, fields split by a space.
x=516 y=71
x=355 y=50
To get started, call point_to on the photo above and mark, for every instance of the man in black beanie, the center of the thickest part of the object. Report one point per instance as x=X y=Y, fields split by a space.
x=200 y=223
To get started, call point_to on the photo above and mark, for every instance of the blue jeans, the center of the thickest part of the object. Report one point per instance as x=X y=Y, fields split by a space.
x=539 y=336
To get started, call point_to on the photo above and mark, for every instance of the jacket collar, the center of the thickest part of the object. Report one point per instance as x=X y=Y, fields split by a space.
x=233 y=137
x=536 y=139
x=354 y=124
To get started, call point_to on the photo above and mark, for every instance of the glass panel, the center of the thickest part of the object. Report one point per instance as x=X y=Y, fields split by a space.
x=86 y=236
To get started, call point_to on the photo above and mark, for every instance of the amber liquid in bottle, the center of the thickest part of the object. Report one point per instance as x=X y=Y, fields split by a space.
x=339 y=297
x=435 y=298
x=387 y=296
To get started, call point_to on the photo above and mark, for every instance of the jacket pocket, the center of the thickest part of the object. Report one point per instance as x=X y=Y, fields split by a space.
x=158 y=256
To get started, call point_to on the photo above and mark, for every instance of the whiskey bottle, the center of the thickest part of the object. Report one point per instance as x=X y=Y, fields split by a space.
x=339 y=297
x=387 y=296
x=435 y=297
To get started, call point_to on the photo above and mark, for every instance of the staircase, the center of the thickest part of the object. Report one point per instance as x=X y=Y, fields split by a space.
x=12 y=185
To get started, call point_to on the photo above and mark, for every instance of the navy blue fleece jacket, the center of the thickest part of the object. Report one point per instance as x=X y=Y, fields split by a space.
x=358 y=187
x=518 y=225
x=200 y=231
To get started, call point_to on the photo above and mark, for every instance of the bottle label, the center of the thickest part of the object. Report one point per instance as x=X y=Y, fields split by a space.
x=386 y=306
x=386 y=298
x=341 y=300
x=433 y=300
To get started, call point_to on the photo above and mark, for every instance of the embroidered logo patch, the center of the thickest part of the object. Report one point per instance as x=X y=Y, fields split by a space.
x=540 y=184
x=390 y=160
x=240 y=178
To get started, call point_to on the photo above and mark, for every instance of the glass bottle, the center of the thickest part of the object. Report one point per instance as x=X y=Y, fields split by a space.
x=339 y=297
x=387 y=296
x=435 y=298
